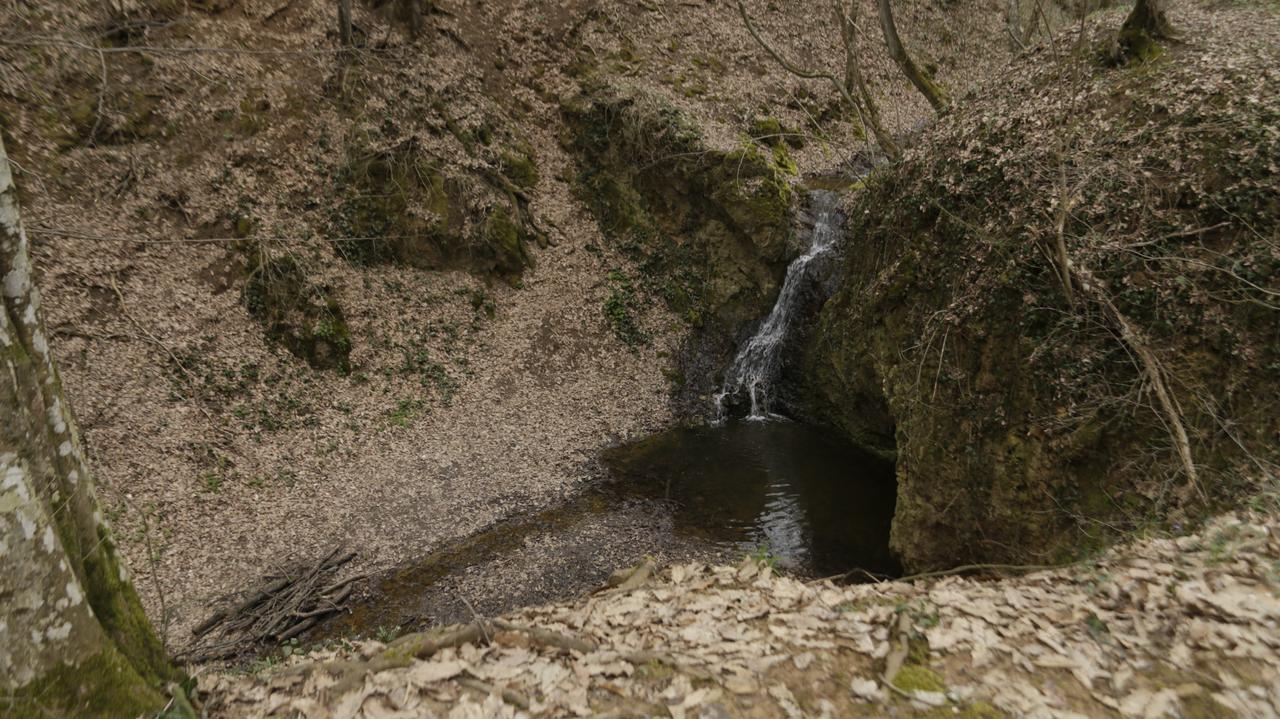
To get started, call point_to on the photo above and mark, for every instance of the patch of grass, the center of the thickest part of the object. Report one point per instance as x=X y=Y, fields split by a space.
x=404 y=412
x=386 y=634
x=620 y=309
x=212 y=481
x=764 y=555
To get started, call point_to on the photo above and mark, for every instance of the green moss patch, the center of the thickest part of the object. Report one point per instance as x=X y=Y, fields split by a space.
x=520 y=166
x=299 y=314
x=706 y=228
x=403 y=205
x=915 y=677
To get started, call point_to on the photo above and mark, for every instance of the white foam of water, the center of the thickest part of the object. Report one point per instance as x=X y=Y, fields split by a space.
x=756 y=366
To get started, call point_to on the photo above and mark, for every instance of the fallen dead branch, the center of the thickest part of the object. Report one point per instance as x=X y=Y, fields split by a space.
x=899 y=648
x=510 y=696
x=284 y=607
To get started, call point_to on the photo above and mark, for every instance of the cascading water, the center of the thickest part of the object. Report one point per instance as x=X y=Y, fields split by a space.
x=758 y=362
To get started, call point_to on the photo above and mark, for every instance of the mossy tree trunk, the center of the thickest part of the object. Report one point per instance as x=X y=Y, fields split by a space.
x=1148 y=16
x=74 y=640
x=1146 y=24
x=925 y=84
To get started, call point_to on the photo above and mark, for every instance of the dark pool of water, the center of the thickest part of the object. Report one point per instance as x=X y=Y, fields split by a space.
x=819 y=505
x=816 y=503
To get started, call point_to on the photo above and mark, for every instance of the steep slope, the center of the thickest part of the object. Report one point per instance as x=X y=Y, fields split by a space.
x=1031 y=420
x=381 y=297
x=303 y=296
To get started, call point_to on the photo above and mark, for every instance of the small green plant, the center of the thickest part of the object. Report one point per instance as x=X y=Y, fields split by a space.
x=619 y=309
x=212 y=481
x=386 y=634
x=405 y=411
x=483 y=304
x=762 y=554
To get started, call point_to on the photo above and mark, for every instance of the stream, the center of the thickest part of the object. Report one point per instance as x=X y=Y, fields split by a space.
x=749 y=483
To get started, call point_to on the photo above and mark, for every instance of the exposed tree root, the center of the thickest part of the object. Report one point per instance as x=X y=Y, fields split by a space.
x=1154 y=370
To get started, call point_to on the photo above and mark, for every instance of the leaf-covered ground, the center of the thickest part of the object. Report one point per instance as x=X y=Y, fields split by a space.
x=1177 y=627
x=204 y=130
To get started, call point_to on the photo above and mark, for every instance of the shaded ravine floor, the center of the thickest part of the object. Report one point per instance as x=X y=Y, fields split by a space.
x=1186 y=626
x=809 y=501
x=556 y=554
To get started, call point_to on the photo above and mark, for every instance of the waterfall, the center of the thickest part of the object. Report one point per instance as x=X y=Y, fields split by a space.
x=758 y=362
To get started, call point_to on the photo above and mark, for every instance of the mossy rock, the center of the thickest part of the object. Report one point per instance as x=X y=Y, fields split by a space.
x=707 y=228
x=300 y=315
x=767 y=129
x=401 y=205
x=770 y=131
x=1008 y=407
x=520 y=166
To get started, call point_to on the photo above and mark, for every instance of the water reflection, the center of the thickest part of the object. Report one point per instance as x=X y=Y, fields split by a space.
x=819 y=504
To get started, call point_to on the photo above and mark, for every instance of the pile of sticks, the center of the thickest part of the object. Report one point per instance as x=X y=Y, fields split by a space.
x=287 y=604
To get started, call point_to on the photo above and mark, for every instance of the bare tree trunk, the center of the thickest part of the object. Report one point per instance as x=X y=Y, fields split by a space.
x=855 y=82
x=934 y=94
x=74 y=640
x=413 y=10
x=1146 y=24
x=844 y=88
x=1013 y=20
x=344 y=23
x=1148 y=16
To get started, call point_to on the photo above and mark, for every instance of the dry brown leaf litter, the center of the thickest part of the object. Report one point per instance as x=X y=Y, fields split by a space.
x=1163 y=627
x=259 y=459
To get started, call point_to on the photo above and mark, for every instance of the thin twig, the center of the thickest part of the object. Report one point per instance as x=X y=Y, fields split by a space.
x=484 y=631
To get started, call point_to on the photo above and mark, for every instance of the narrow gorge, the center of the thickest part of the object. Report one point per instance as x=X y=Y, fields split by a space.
x=684 y=358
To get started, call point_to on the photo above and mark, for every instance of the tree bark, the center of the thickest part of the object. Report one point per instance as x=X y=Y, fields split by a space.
x=855 y=82
x=1148 y=16
x=74 y=640
x=344 y=23
x=1145 y=24
x=934 y=94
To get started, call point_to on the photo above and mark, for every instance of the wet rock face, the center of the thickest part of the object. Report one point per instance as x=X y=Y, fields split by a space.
x=707 y=228
x=1024 y=426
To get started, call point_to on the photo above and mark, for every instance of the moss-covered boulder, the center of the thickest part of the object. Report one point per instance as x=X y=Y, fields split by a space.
x=403 y=204
x=296 y=312
x=1024 y=420
x=707 y=227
